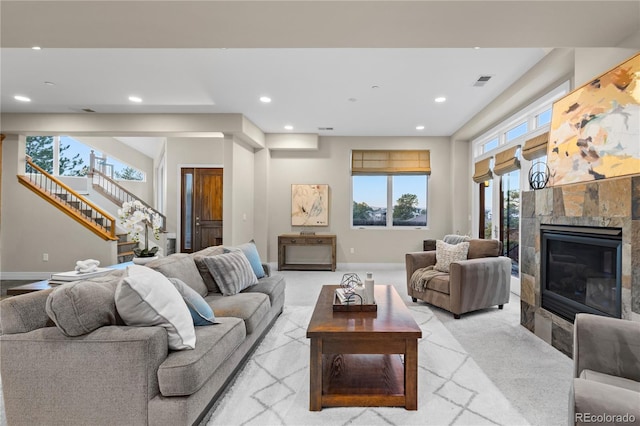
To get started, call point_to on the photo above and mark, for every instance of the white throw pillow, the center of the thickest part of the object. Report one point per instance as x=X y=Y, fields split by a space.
x=145 y=297
x=448 y=253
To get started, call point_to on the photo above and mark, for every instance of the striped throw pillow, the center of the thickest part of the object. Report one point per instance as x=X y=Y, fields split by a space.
x=231 y=271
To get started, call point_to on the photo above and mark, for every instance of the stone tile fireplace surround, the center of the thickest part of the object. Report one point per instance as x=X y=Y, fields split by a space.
x=605 y=203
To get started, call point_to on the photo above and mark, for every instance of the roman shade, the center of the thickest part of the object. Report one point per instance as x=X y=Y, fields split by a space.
x=506 y=161
x=386 y=162
x=483 y=171
x=535 y=147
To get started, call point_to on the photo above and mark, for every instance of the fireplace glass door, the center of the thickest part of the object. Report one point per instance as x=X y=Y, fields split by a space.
x=581 y=273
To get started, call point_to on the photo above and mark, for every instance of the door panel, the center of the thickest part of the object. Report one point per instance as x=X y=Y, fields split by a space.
x=201 y=208
x=208 y=208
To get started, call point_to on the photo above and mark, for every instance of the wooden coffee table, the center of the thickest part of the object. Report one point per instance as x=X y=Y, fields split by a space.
x=355 y=357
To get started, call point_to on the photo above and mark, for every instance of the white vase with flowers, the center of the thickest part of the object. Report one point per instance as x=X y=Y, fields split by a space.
x=136 y=218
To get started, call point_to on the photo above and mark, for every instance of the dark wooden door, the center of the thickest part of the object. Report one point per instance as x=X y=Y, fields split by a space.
x=201 y=200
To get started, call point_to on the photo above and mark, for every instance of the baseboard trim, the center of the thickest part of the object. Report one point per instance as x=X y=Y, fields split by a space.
x=36 y=276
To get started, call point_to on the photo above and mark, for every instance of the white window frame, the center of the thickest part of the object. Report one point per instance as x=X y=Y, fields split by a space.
x=389 y=224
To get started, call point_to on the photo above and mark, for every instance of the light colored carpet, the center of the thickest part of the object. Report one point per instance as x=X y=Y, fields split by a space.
x=482 y=369
x=273 y=388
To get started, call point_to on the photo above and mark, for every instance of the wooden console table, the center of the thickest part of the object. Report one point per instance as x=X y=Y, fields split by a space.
x=287 y=240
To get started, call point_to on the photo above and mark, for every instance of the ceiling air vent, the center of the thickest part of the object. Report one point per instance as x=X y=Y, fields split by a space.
x=482 y=80
x=325 y=128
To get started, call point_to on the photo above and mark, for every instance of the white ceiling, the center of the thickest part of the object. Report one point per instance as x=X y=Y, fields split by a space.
x=310 y=88
x=318 y=61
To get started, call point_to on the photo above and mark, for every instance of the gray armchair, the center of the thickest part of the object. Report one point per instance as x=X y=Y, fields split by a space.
x=606 y=384
x=481 y=281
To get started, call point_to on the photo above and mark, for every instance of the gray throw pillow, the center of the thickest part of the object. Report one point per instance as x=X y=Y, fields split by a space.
x=80 y=307
x=231 y=271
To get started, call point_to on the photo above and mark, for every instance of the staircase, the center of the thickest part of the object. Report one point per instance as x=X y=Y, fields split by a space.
x=125 y=248
x=69 y=201
x=104 y=184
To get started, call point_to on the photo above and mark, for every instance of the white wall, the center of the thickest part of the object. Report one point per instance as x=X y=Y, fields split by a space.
x=187 y=152
x=241 y=216
x=331 y=165
x=113 y=148
x=590 y=63
x=31 y=226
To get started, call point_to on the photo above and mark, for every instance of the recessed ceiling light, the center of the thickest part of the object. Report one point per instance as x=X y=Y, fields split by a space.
x=375 y=87
x=265 y=99
x=21 y=98
x=477 y=48
x=135 y=99
x=352 y=100
x=288 y=127
x=49 y=83
x=36 y=48
x=440 y=99
x=419 y=127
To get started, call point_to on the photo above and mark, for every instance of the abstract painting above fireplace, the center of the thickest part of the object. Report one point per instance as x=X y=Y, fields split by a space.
x=595 y=129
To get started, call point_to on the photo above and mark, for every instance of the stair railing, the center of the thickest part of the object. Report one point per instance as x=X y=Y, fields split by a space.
x=117 y=194
x=69 y=201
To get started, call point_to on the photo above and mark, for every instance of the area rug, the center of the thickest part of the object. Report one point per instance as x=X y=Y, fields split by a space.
x=273 y=386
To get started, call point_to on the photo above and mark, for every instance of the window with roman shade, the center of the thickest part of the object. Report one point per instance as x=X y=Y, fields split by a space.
x=535 y=147
x=389 y=188
x=506 y=161
x=386 y=162
x=483 y=171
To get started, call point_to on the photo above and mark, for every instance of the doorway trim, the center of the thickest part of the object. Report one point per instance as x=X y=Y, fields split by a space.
x=178 y=175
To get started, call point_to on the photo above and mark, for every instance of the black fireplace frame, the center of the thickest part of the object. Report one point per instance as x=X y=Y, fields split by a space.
x=607 y=237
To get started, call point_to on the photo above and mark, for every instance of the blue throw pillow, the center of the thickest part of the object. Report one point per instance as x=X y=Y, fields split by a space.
x=200 y=311
x=251 y=251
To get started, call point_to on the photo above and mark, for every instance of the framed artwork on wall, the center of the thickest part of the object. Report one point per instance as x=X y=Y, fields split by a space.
x=595 y=130
x=309 y=205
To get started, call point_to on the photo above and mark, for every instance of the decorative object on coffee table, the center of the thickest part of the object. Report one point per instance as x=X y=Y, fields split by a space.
x=135 y=218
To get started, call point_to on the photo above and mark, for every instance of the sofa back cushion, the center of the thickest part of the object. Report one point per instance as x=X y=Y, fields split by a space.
x=484 y=248
x=181 y=266
x=80 y=307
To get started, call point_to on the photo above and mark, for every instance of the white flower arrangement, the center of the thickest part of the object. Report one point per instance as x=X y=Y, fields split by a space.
x=135 y=218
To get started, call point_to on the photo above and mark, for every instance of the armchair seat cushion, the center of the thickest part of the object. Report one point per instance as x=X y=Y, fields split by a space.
x=439 y=283
x=608 y=379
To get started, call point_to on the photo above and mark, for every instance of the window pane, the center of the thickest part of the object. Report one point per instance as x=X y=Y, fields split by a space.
x=73 y=157
x=188 y=210
x=511 y=218
x=517 y=131
x=543 y=118
x=410 y=200
x=492 y=144
x=369 y=200
x=40 y=149
x=487 y=201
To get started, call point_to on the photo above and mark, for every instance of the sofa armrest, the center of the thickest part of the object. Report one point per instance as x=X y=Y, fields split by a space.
x=479 y=283
x=267 y=269
x=606 y=345
x=417 y=260
x=104 y=377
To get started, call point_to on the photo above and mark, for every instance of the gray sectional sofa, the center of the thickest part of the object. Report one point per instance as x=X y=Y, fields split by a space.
x=123 y=375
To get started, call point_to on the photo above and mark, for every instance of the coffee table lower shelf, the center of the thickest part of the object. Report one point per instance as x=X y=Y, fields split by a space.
x=347 y=380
